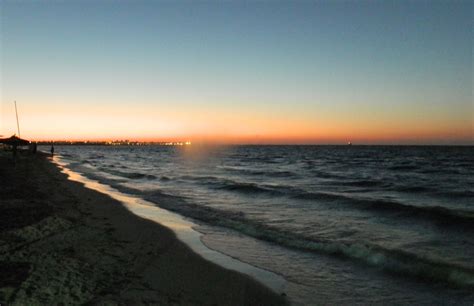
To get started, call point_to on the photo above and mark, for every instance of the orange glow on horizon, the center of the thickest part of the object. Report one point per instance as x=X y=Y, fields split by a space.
x=227 y=126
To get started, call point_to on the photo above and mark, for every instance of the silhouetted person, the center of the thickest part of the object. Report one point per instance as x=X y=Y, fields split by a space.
x=52 y=150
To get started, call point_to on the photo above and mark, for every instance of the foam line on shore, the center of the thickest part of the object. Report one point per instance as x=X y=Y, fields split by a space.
x=184 y=229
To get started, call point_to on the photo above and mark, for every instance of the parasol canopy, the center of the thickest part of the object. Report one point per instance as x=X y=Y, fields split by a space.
x=15 y=141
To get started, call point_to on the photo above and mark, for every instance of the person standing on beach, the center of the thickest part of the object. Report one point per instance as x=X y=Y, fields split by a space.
x=52 y=150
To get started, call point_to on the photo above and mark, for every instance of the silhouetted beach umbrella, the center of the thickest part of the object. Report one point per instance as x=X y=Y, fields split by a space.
x=14 y=141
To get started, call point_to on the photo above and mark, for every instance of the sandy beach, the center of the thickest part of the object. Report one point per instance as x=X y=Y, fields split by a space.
x=61 y=243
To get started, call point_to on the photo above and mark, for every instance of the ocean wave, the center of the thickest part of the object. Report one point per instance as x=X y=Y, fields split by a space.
x=96 y=156
x=412 y=189
x=438 y=214
x=130 y=175
x=94 y=175
x=249 y=188
x=435 y=191
x=326 y=196
x=66 y=155
x=226 y=184
x=273 y=173
x=327 y=175
x=200 y=178
x=404 y=167
x=390 y=260
x=363 y=183
x=457 y=194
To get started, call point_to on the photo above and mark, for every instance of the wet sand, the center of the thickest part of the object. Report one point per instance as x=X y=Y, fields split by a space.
x=63 y=243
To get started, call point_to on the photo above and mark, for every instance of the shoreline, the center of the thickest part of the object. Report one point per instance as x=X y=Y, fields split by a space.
x=182 y=227
x=67 y=243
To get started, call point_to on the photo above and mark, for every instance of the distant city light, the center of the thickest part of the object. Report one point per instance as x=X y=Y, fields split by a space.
x=116 y=143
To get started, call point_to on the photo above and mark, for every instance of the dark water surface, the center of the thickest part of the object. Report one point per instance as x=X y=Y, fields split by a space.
x=345 y=225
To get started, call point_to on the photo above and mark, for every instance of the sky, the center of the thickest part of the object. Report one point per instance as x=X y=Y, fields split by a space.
x=382 y=72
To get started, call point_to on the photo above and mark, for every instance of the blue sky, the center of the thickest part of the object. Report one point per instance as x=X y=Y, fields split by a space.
x=320 y=65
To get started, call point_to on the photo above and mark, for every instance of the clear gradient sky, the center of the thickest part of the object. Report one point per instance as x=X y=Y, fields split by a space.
x=239 y=71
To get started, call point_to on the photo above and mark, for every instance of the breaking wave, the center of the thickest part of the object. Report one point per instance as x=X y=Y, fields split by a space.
x=391 y=260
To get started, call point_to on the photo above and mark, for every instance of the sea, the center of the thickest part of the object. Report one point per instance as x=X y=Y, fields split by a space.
x=341 y=224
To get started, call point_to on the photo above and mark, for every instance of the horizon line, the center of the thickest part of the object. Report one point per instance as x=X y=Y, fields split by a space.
x=210 y=143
